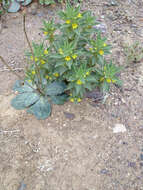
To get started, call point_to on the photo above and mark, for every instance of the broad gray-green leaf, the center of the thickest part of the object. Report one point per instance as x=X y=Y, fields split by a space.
x=26 y=2
x=20 y=1
x=24 y=100
x=22 y=87
x=41 y=109
x=59 y=99
x=91 y=79
x=14 y=6
x=46 y=2
x=55 y=88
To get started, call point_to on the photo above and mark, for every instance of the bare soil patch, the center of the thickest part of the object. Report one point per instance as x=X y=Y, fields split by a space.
x=81 y=152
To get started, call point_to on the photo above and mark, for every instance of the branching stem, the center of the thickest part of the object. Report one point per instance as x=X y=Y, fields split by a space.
x=10 y=68
x=29 y=44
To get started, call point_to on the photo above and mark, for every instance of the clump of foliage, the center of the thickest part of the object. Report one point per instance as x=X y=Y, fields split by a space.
x=134 y=52
x=70 y=61
x=13 y=6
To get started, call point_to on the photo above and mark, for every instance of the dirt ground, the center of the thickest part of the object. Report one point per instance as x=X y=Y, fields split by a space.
x=83 y=151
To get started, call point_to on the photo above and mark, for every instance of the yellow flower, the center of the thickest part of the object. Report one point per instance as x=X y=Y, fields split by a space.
x=47 y=77
x=89 y=27
x=74 y=56
x=31 y=57
x=101 y=79
x=67 y=58
x=101 y=52
x=68 y=21
x=46 y=33
x=56 y=74
x=79 y=100
x=87 y=73
x=61 y=51
x=79 y=15
x=42 y=62
x=74 y=26
x=72 y=99
x=90 y=49
x=33 y=72
x=29 y=80
x=45 y=51
x=104 y=44
x=36 y=59
x=108 y=80
x=113 y=81
x=79 y=82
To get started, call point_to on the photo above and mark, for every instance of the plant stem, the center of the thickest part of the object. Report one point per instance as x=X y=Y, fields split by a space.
x=36 y=66
x=10 y=68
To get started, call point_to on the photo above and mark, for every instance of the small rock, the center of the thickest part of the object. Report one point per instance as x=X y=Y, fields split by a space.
x=96 y=95
x=69 y=115
x=125 y=143
x=104 y=171
x=141 y=156
x=22 y=186
x=119 y=128
x=132 y=164
x=113 y=3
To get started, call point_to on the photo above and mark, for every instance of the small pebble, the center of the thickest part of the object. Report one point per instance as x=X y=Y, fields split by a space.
x=141 y=156
x=104 y=171
x=119 y=128
x=69 y=115
x=132 y=164
x=22 y=186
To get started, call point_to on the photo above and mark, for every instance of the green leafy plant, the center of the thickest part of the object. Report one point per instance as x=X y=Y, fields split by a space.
x=13 y=6
x=134 y=52
x=36 y=103
x=70 y=61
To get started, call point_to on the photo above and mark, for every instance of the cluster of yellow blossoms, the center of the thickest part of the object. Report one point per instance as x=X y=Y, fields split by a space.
x=79 y=82
x=108 y=80
x=101 y=52
x=74 y=25
x=75 y=99
x=41 y=60
x=50 y=78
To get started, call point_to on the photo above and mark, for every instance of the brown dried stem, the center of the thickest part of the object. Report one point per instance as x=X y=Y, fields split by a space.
x=29 y=44
x=10 y=68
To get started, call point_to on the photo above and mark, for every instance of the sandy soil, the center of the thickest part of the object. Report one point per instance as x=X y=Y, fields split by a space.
x=82 y=152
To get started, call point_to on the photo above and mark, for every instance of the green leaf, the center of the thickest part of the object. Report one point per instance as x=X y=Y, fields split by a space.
x=14 y=6
x=91 y=79
x=41 y=109
x=26 y=2
x=21 y=87
x=59 y=99
x=55 y=88
x=105 y=86
x=24 y=100
x=78 y=88
x=88 y=86
x=119 y=82
x=61 y=70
